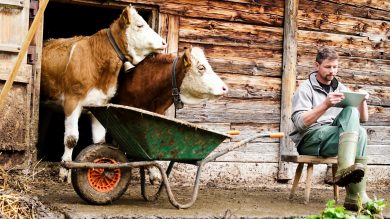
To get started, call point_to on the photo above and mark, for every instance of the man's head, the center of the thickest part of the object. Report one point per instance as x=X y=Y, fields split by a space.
x=326 y=64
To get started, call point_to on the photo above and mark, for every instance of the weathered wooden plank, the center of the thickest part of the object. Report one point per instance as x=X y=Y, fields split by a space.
x=248 y=66
x=359 y=65
x=11 y=4
x=248 y=87
x=9 y=48
x=231 y=110
x=237 y=52
x=269 y=13
x=243 y=60
x=23 y=75
x=378 y=135
x=352 y=76
x=338 y=23
x=364 y=9
x=376 y=4
x=230 y=34
x=378 y=116
x=345 y=45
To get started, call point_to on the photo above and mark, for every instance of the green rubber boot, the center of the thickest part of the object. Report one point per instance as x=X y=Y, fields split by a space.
x=347 y=170
x=355 y=190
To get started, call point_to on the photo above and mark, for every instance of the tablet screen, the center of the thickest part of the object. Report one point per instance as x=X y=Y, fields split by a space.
x=351 y=99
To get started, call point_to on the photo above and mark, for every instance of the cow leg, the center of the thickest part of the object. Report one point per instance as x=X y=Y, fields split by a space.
x=72 y=111
x=98 y=131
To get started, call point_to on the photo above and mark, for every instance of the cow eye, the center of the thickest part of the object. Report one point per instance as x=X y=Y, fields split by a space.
x=201 y=68
x=140 y=25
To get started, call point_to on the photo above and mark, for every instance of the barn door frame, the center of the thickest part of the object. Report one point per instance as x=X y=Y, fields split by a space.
x=169 y=30
x=290 y=31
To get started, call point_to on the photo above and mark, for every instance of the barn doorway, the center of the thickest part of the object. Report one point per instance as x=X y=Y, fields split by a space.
x=66 y=20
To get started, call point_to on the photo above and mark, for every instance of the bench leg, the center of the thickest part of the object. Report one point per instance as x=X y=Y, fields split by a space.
x=298 y=174
x=308 y=182
x=335 y=187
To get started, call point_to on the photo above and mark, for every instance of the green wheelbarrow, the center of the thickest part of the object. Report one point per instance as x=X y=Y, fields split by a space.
x=101 y=172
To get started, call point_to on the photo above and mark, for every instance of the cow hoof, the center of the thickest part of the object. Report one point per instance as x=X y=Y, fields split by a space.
x=154 y=176
x=64 y=175
x=70 y=141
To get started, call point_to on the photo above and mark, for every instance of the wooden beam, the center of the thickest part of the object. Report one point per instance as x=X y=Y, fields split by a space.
x=288 y=84
x=34 y=26
x=169 y=30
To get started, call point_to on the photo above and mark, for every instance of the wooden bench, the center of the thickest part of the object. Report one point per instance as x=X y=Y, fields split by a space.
x=310 y=161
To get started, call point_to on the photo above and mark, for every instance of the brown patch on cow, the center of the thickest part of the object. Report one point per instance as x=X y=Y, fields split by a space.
x=149 y=86
x=161 y=58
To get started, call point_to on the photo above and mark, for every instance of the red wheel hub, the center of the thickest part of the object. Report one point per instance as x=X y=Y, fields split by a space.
x=104 y=180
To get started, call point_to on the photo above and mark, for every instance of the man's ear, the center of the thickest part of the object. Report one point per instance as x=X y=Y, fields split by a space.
x=316 y=65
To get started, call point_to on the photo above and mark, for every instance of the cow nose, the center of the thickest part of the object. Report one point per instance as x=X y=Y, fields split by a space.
x=225 y=89
x=164 y=43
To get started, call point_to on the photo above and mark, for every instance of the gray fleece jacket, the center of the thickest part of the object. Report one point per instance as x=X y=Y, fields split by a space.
x=306 y=97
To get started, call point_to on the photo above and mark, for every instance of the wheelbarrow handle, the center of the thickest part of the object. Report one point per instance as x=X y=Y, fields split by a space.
x=276 y=135
x=240 y=144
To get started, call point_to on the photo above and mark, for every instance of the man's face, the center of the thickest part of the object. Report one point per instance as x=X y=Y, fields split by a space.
x=326 y=70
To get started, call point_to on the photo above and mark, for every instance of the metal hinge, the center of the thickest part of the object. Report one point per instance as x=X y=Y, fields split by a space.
x=31 y=53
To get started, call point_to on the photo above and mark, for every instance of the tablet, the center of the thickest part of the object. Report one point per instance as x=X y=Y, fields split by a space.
x=351 y=99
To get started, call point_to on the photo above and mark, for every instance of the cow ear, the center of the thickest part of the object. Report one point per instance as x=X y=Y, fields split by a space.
x=126 y=15
x=187 y=57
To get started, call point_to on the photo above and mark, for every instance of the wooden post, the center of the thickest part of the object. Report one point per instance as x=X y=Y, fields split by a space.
x=23 y=50
x=288 y=84
x=169 y=30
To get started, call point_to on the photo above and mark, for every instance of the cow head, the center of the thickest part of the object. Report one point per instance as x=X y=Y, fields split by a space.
x=141 y=39
x=200 y=82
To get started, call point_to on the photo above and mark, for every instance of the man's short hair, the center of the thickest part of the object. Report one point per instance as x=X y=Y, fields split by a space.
x=326 y=53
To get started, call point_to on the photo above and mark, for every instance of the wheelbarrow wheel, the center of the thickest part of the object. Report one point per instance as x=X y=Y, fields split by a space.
x=100 y=186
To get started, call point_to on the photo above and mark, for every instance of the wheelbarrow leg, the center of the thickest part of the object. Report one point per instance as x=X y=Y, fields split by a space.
x=195 y=190
x=143 y=183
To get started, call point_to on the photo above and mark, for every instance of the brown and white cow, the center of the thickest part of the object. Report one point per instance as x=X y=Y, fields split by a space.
x=149 y=85
x=84 y=70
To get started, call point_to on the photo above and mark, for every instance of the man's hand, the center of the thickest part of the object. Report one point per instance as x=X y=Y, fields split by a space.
x=364 y=92
x=333 y=98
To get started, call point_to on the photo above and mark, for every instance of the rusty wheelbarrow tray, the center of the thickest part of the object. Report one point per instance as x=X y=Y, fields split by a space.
x=143 y=137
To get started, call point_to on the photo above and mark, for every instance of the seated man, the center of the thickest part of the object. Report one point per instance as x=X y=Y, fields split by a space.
x=321 y=129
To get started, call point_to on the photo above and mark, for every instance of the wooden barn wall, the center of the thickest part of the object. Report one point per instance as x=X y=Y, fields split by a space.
x=244 y=43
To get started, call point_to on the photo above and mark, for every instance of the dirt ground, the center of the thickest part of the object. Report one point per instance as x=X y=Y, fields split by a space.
x=267 y=201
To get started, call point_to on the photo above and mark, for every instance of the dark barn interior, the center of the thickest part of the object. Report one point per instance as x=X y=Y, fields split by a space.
x=62 y=21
